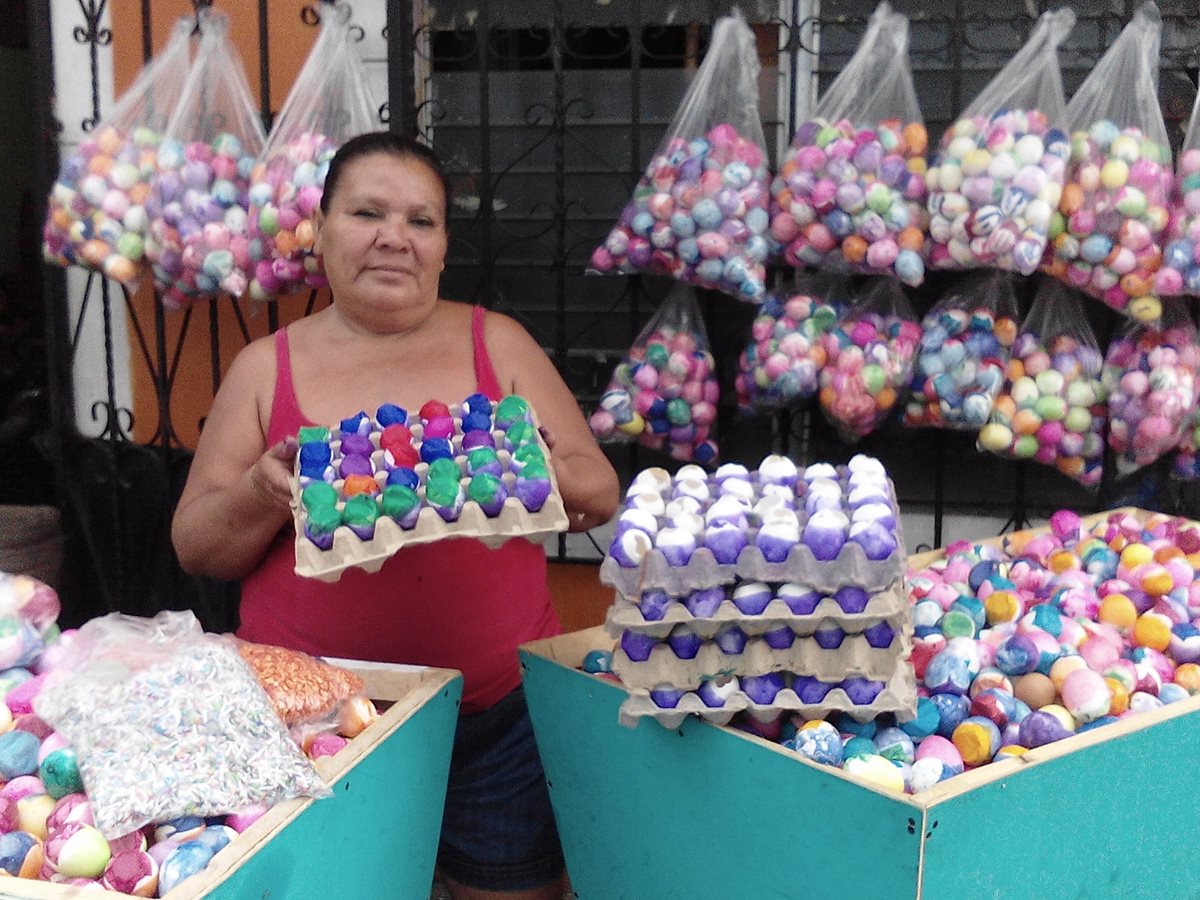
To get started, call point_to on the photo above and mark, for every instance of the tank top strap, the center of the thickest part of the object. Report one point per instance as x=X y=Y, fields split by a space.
x=486 y=381
x=286 y=417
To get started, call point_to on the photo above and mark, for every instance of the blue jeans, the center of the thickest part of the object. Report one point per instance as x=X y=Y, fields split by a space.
x=498 y=830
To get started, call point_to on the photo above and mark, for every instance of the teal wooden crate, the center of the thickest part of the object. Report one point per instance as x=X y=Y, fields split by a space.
x=377 y=836
x=708 y=812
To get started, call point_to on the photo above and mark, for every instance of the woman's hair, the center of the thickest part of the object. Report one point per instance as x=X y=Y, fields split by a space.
x=388 y=143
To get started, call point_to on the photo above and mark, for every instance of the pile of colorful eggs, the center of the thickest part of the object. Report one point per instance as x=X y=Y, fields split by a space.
x=1062 y=632
x=1112 y=214
x=782 y=362
x=961 y=367
x=96 y=214
x=1152 y=378
x=1180 y=269
x=664 y=396
x=698 y=214
x=853 y=197
x=199 y=232
x=1052 y=408
x=284 y=196
x=869 y=362
x=993 y=187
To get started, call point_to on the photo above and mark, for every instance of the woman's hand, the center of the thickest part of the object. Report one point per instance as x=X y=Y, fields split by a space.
x=270 y=476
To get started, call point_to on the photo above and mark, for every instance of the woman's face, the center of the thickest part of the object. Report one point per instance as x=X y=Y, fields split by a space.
x=383 y=240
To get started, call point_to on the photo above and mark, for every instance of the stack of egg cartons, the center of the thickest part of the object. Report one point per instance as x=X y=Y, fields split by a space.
x=765 y=591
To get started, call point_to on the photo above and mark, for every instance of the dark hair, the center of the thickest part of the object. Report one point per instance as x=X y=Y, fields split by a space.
x=387 y=143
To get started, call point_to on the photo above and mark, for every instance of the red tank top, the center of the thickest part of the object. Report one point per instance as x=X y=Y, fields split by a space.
x=453 y=604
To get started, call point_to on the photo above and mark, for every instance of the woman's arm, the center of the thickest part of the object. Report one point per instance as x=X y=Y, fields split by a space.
x=237 y=493
x=586 y=478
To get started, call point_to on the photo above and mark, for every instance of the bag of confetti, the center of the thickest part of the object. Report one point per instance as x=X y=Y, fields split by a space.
x=781 y=364
x=664 y=393
x=850 y=193
x=869 y=360
x=1107 y=238
x=966 y=339
x=998 y=172
x=1151 y=378
x=700 y=211
x=330 y=102
x=302 y=688
x=168 y=721
x=1180 y=272
x=199 y=235
x=96 y=213
x=1052 y=406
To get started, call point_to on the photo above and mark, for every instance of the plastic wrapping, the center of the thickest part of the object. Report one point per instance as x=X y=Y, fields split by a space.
x=700 y=211
x=664 y=393
x=199 y=234
x=29 y=611
x=167 y=721
x=1052 y=407
x=1151 y=377
x=302 y=688
x=782 y=361
x=850 y=192
x=96 y=212
x=329 y=103
x=966 y=340
x=998 y=174
x=1107 y=236
x=869 y=360
x=1180 y=271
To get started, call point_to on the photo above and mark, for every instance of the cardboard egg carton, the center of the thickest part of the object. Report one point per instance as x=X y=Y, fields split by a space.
x=855 y=657
x=899 y=696
x=351 y=551
x=624 y=614
x=850 y=566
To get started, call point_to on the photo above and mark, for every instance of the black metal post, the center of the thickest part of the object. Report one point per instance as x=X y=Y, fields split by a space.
x=401 y=49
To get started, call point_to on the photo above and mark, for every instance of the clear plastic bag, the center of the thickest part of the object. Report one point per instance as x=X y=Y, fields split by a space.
x=96 y=212
x=1180 y=271
x=1151 y=376
x=782 y=362
x=1107 y=237
x=302 y=688
x=168 y=721
x=29 y=611
x=869 y=360
x=1052 y=407
x=966 y=340
x=850 y=193
x=199 y=236
x=700 y=211
x=329 y=103
x=664 y=393
x=998 y=174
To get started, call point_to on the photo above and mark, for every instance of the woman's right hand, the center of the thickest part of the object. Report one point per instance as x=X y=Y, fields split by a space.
x=270 y=476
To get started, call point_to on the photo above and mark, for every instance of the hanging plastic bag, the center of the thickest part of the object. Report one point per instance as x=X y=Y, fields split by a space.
x=664 y=393
x=782 y=362
x=998 y=173
x=850 y=193
x=199 y=236
x=1180 y=272
x=869 y=360
x=1052 y=407
x=1107 y=237
x=700 y=211
x=1151 y=378
x=96 y=213
x=330 y=102
x=168 y=721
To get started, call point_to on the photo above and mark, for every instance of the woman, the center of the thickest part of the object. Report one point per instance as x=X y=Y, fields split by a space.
x=388 y=337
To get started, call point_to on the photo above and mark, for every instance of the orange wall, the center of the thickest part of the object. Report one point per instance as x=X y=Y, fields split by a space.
x=188 y=341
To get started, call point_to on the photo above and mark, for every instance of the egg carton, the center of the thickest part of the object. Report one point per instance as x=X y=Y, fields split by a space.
x=351 y=551
x=854 y=658
x=899 y=697
x=624 y=614
x=850 y=567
